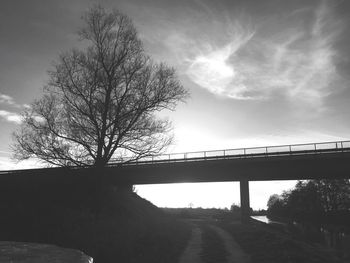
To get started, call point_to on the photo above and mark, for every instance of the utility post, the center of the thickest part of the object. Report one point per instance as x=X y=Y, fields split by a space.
x=245 y=204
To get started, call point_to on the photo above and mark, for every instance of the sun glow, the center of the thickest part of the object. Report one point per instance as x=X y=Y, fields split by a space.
x=214 y=70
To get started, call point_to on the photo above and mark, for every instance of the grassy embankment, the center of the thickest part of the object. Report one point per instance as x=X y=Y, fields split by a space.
x=268 y=245
x=120 y=227
x=264 y=243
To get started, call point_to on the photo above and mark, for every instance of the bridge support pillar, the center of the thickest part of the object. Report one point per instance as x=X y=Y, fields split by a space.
x=245 y=204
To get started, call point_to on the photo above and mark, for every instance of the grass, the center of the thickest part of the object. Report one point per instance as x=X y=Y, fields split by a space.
x=213 y=249
x=266 y=245
x=126 y=229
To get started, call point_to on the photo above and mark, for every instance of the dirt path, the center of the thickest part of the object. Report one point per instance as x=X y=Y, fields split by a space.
x=235 y=253
x=193 y=250
x=192 y=253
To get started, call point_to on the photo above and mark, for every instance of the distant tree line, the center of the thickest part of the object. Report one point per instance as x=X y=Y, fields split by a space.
x=314 y=200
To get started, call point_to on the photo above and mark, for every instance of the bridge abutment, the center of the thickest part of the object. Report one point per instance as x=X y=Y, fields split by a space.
x=245 y=203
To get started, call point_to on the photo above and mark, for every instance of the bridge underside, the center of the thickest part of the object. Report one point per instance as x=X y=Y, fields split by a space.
x=310 y=166
x=289 y=167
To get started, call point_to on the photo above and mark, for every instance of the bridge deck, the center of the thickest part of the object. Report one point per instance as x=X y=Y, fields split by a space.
x=252 y=152
x=284 y=162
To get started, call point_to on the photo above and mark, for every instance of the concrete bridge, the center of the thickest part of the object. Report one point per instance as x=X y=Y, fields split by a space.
x=328 y=160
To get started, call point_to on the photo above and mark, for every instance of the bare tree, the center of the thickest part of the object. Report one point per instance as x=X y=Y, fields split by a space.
x=100 y=103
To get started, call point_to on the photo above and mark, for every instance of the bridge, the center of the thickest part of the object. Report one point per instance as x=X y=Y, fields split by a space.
x=326 y=160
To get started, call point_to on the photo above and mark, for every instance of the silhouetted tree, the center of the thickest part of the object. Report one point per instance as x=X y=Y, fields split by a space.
x=276 y=205
x=334 y=194
x=100 y=102
x=312 y=198
x=304 y=198
x=235 y=208
x=273 y=200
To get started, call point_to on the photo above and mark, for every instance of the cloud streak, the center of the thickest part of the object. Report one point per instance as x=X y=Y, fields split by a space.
x=296 y=59
x=10 y=116
x=8 y=100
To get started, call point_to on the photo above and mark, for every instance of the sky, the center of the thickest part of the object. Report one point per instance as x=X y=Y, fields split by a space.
x=259 y=73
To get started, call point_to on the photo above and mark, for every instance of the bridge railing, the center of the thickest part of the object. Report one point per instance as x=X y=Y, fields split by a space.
x=252 y=152
x=293 y=149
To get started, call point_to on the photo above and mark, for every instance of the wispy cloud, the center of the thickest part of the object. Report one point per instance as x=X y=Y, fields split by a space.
x=212 y=69
x=296 y=59
x=8 y=100
x=304 y=65
x=10 y=116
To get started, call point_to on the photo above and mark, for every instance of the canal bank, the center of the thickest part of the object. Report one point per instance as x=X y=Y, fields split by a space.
x=332 y=237
x=268 y=244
